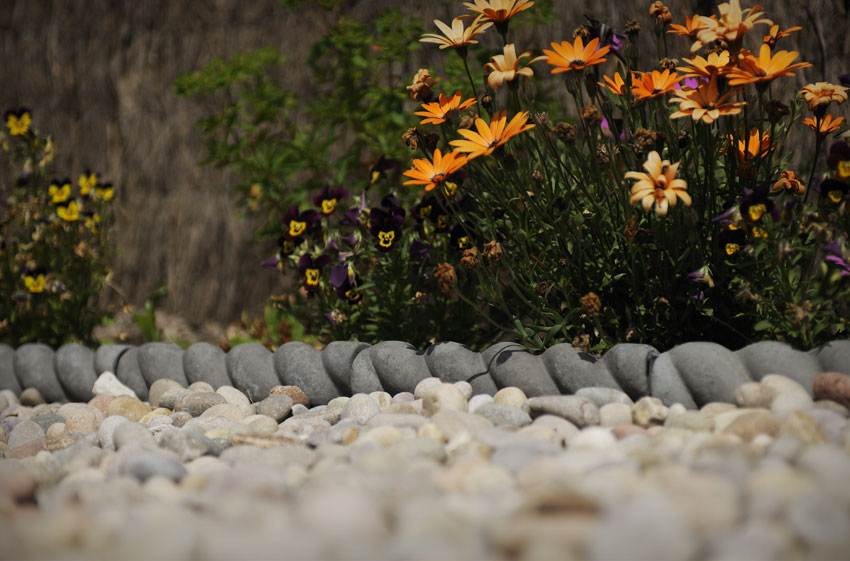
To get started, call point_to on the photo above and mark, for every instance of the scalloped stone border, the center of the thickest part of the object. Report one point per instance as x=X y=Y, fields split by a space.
x=692 y=374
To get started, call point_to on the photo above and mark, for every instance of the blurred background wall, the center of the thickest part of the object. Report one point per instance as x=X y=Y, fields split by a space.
x=99 y=76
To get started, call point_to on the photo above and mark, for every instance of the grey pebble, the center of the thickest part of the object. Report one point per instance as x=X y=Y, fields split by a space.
x=299 y=364
x=34 y=367
x=106 y=430
x=132 y=433
x=277 y=406
x=158 y=389
x=161 y=360
x=8 y=380
x=510 y=364
x=338 y=360
x=128 y=373
x=75 y=370
x=604 y=395
x=46 y=419
x=578 y=410
x=187 y=444
x=399 y=365
x=501 y=414
x=453 y=362
x=24 y=432
x=360 y=408
x=250 y=367
x=195 y=403
x=203 y=362
x=172 y=396
x=145 y=464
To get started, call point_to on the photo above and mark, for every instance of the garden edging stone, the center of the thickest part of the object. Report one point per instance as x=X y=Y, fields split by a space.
x=691 y=374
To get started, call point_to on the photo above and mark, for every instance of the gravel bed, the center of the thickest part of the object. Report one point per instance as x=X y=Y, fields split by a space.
x=441 y=472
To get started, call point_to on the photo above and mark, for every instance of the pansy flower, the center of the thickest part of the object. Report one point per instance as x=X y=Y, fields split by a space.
x=460 y=237
x=297 y=224
x=731 y=239
x=86 y=182
x=756 y=203
x=834 y=190
x=380 y=167
x=104 y=192
x=287 y=246
x=92 y=221
x=310 y=270
x=345 y=282
x=418 y=249
x=329 y=198
x=386 y=222
x=18 y=121
x=34 y=279
x=69 y=210
x=421 y=211
x=838 y=160
x=59 y=190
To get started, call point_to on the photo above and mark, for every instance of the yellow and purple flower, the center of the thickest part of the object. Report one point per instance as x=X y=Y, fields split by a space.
x=385 y=223
x=297 y=224
x=328 y=199
x=34 y=279
x=345 y=282
x=310 y=270
x=18 y=121
x=59 y=190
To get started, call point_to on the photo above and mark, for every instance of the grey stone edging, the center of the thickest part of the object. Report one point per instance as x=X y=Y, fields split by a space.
x=692 y=373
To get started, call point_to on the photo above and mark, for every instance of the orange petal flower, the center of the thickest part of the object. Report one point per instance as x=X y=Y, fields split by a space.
x=490 y=136
x=659 y=186
x=653 y=84
x=699 y=67
x=704 y=104
x=774 y=34
x=498 y=11
x=821 y=94
x=690 y=29
x=440 y=111
x=617 y=85
x=456 y=36
x=826 y=125
x=756 y=146
x=730 y=27
x=566 y=56
x=764 y=68
x=505 y=67
x=791 y=182
x=432 y=173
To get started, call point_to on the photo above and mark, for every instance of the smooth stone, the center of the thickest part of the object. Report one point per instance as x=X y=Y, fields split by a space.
x=594 y=438
x=407 y=407
x=697 y=373
x=130 y=374
x=821 y=521
x=299 y=364
x=399 y=365
x=161 y=360
x=79 y=417
x=341 y=401
x=236 y=398
x=106 y=431
x=832 y=423
x=180 y=418
x=231 y=412
x=465 y=388
x=802 y=426
x=146 y=464
x=203 y=362
x=477 y=401
x=649 y=410
x=24 y=433
x=128 y=407
x=75 y=368
x=294 y=393
x=276 y=406
x=754 y=394
x=8 y=380
x=252 y=370
x=133 y=434
x=645 y=526
x=833 y=386
x=578 y=410
x=773 y=357
x=510 y=395
x=34 y=368
x=158 y=412
x=260 y=424
x=106 y=358
x=364 y=378
x=195 y=403
x=829 y=465
x=411 y=420
x=453 y=362
x=450 y=422
x=629 y=364
x=45 y=420
x=32 y=397
x=360 y=408
x=510 y=364
x=603 y=395
x=443 y=397
x=107 y=384
x=187 y=444
x=501 y=414
x=786 y=402
x=338 y=361
x=171 y=396
x=201 y=387
x=384 y=399
x=615 y=414
x=403 y=397
x=834 y=356
x=689 y=420
x=749 y=424
x=383 y=435
x=158 y=389
x=425 y=385
x=518 y=453
x=572 y=369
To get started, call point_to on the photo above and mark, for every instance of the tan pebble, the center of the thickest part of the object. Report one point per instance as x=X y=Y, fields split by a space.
x=430 y=430
x=193 y=482
x=2 y=435
x=424 y=385
x=615 y=414
x=382 y=398
x=338 y=402
x=785 y=403
x=510 y=395
x=264 y=440
x=834 y=386
x=101 y=402
x=159 y=411
x=350 y=435
x=803 y=427
x=220 y=432
x=712 y=409
x=201 y=386
x=649 y=410
x=385 y=435
x=403 y=407
x=541 y=432
x=622 y=431
x=55 y=430
x=754 y=394
x=230 y=412
x=752 y=423
x=782 y=384
x=128 y=407
x=31 y=397
x=261 y=424
x=465 y=388
x=80 y=417
x=443 y=397
x=294 y=392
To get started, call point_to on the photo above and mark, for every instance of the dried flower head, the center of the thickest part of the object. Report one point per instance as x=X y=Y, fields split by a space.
x=630 y=230
x=420 y=89
x=582 y=31
x=582 y=342
x=590 y=304
x=591 y=116
x=790 y=182
x=446 y=277
x=470 y=258
x=648 y=139
x=493 y=250
x=565 y=132
x=537 y=176
x=631 y=27
x=660 y=12
x=668 y=63
x=411 y=138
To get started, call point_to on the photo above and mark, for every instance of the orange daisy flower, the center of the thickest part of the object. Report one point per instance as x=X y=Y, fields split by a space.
x=730 y=27
x=821 y=94
x=659 y=186
x=764 y=68
x=505 y=67
x=491 y=136
x=703 y=103
x=440 y=111
x=690 y=29
x=432 y=173
x=756 y=146
x=774 y=34
x=825 y=125
x=617 y=85
x=456 y=36
x=566 y=56
x=646 y=85
x=498 y=11
x=791 y=182
x=699 y=67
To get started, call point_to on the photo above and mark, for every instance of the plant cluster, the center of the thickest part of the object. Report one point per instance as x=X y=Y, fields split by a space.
x=54 y=241
x=662 y=211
